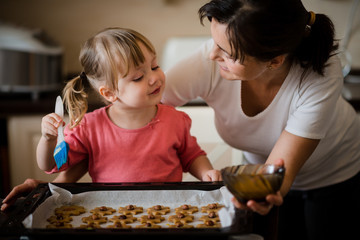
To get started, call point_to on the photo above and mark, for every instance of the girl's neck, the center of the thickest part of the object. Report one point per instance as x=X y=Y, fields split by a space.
x=131 y=118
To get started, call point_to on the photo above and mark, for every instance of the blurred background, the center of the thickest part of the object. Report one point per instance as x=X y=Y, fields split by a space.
x=71 y=22
x=64 y=25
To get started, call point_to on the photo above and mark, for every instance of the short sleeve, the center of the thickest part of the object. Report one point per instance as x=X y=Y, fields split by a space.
x=189 y=149
x=315 y=102
x=190 y=78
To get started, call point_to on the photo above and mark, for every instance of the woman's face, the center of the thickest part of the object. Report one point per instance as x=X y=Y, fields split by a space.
x=144 y=85
x=231 y=69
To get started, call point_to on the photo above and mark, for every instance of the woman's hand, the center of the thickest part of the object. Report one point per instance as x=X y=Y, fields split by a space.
x=262 y=208
x=19 y=191
x=70 y=175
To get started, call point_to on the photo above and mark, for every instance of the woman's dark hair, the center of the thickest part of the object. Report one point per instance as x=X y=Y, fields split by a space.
x=265 y=29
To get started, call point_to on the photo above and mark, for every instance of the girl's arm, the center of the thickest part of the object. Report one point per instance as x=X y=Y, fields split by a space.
x=202 y=169
x=73 y=173
x=47 y=143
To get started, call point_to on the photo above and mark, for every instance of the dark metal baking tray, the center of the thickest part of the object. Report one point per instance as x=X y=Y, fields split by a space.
x=13 y=226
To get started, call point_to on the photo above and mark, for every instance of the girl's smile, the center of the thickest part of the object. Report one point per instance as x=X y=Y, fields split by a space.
x=156 y=91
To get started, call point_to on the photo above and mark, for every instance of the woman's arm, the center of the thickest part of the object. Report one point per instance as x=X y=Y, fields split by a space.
x=291 y=151
x=295 y=151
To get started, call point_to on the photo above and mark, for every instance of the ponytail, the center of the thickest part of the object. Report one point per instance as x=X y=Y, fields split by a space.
x=75 y=99
x=318 y=44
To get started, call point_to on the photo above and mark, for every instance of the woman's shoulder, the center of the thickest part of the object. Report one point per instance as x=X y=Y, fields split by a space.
x=311 y=88
x=332 y=77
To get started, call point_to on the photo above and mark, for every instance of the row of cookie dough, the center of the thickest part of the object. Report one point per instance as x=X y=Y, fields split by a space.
x=183 y=216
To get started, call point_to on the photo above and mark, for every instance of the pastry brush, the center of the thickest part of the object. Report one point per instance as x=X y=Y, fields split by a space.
x=62 y=147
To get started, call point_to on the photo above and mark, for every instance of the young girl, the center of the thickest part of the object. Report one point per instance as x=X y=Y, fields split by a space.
x=134 y=138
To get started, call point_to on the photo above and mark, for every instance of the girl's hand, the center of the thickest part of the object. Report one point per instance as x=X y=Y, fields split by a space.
x=262 y=208
x=49 y=126
x=212 y=176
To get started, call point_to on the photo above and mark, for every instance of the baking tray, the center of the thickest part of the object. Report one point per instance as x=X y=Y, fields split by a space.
x=242 y=223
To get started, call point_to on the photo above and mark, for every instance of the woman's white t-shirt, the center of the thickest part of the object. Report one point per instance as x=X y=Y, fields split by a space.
x=312 y=109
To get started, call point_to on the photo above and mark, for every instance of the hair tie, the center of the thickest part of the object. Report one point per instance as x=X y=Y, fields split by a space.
x=83 y=76
x=312 y=18
x=310 y=23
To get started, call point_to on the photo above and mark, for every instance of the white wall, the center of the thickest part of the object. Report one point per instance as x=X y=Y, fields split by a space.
x=339 y=11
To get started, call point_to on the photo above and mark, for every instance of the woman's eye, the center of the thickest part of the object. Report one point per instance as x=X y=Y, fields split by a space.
x=230 y=58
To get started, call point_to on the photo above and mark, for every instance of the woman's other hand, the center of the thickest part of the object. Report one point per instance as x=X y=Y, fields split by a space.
x=19 y=191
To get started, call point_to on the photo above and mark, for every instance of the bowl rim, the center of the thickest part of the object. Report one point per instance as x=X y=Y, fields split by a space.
x=277 y=169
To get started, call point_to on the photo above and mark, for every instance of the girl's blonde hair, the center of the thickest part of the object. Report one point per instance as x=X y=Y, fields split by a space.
x=104 y=57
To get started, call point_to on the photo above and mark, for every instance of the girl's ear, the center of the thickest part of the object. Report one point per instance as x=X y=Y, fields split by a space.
x=108 y=94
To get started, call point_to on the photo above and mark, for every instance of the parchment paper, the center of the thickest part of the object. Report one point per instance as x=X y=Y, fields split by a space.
x=143 y=198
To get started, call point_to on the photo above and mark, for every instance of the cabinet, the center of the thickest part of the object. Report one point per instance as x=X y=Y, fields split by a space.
x=24 y=133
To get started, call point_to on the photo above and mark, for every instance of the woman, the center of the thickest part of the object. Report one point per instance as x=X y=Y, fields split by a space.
x=272 y=76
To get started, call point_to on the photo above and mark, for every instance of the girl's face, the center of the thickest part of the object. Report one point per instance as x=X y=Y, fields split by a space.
x=231 y=69
x=144 y=85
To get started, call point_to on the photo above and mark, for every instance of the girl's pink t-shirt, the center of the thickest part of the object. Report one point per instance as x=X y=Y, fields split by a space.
x=158 y=152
